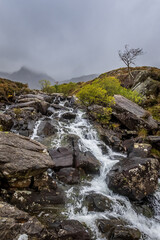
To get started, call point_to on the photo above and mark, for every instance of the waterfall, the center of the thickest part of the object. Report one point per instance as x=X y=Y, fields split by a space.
x=121 y=206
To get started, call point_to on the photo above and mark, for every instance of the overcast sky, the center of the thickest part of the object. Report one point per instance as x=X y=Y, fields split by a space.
x=68 y=38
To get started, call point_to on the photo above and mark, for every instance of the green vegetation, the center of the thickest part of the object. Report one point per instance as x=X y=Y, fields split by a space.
x=65 y=88
x=8 y=89
x=142 y=133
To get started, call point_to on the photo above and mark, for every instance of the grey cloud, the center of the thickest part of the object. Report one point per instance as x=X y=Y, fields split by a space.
x=68 y=38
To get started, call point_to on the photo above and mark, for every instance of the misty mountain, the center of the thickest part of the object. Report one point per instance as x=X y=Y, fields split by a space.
x=84 y=78
x=26 y=75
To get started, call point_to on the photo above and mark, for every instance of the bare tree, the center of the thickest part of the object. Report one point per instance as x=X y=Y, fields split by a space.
x=129 y=56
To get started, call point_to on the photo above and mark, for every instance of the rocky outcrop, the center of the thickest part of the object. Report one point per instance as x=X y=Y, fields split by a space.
x=62 y=157
x=87 y=161
x=47 y=128
x=68 y=175
x=68 y=116
x=70 y=229
x=131 y=115
x=115 y=229
x=16 y=224
x=135 y=177
x=6 y=122
x=98 y=202
x=21 y=159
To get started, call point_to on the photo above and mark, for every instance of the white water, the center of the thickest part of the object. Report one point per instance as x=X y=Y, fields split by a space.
x=122 y=207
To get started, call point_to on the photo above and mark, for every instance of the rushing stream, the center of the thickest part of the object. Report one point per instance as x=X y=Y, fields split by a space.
x=121 y=206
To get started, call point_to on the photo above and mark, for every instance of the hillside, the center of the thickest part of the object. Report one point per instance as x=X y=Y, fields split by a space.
x=8 y=89
x=27 y=76
x=83 y=78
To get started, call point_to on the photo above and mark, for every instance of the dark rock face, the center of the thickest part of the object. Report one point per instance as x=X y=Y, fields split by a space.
x=135 y=178
x=114 y=229
x=111 y=138
x=142 y=150
x=68 y=175
x=15 y=223
x=24 y=119
x=6 y=122
x=70 y=229
x=154 y=140
x=21 y=159
x=47 y=128
x=62 y=157
x=97 y=202
x=68 y=116
x=131 y=115
x=87 y=161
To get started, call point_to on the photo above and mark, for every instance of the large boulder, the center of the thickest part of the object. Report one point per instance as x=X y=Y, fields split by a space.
x=87 y=161
x=47 y=128
x=115 y=229
x=68 y=175
x=70 y=229
x=21 y=159
x=131 y=115
x=6 y=122
x=62 y=157
x=16 y=224
x=98 y=202
x=135 y=177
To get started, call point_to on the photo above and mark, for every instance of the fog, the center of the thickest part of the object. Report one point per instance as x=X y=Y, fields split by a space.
x=69 y=38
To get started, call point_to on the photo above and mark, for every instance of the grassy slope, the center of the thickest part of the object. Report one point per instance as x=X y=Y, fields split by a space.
x=9 y=88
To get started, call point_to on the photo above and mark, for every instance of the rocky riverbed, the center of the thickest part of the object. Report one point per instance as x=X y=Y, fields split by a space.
x=63 y=176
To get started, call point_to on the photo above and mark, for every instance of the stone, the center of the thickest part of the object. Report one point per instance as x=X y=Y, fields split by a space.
x=68 y=116
x=110 y=138
x=15 y=223
x=70 y=229
x=21 y=158
x=62 y=157
x=98 y=202
x=115 y=229
x=154 y=141
x=131 y=115
x=47 y=128
x=87 y=161
x=6 y=121
x=58 y=107
x=142 y=150
x=135 y=178
x=68 y=175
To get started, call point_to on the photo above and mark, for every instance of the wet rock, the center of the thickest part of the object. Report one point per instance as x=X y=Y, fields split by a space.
x=6 y=122
x=98 y=202
x=114 y=229
x=68 y=116
x=68 y=175
x=42 y=107
x=144 y=209
x=109 y=137
x=62 y=157
x=135 y=177
x=24 y=119
x=70 y=229
x=34 y=201
x=154 y=141
x=47 y=128
x=87 y=161
x=21 y=159
x=15 y=224
x=50 y=111
x=142 y=150
x=57 y=106
x=131 y=115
